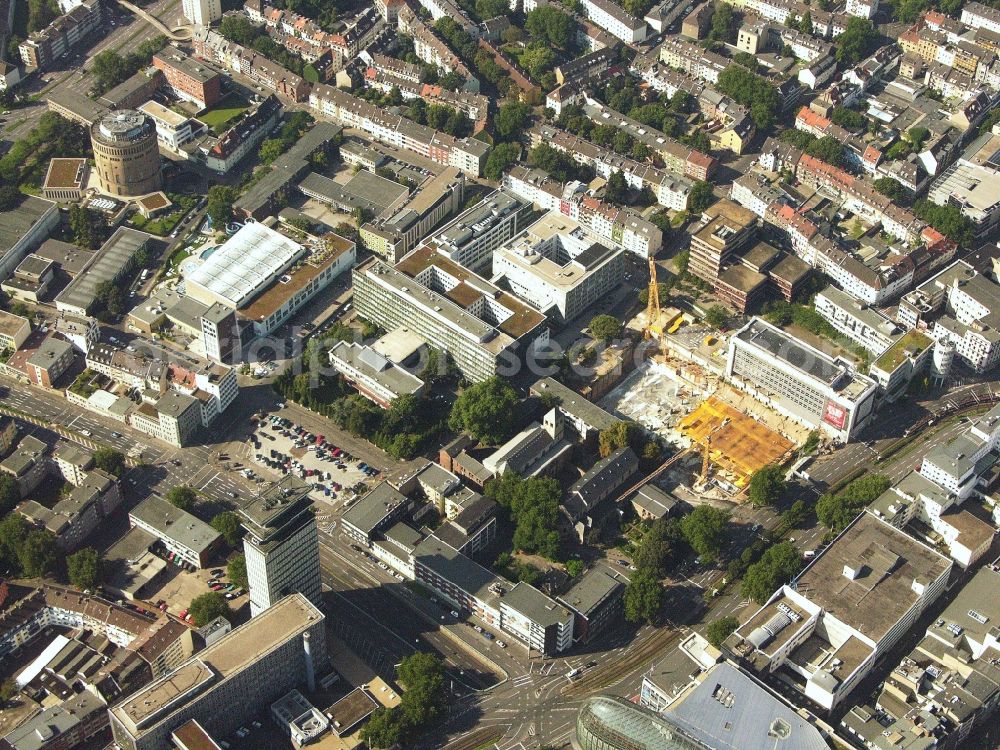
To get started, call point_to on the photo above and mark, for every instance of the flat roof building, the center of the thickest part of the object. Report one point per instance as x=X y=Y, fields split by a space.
x=114 y=259
x=476 y=322
x=281 y=544
x=230 y=681
x=189 y=537
x=973 y=184
x=596 y=602
x=375 y=377
x=65 y=179
x=853 y=602
x=24 y=228
x=556 y=267
x=799 y=381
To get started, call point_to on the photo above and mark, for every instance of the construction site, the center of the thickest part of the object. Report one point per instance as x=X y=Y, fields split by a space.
x=679 y=394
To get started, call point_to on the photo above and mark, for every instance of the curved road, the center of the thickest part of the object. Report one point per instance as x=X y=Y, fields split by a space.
x=180 y=34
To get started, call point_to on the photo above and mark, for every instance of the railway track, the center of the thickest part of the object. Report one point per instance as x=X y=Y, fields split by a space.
x=614 y=671
x=484 y=737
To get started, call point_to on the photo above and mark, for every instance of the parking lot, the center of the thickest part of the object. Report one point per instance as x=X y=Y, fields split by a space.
x=181 y=586
x=285 y=447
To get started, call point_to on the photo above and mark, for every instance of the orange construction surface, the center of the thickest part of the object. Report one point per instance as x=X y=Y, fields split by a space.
x=741 y=446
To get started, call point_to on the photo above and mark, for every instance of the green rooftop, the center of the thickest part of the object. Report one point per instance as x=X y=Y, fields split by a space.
x=910 y=343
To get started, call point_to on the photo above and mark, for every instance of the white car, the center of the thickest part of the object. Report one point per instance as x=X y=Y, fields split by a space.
x=501 y=644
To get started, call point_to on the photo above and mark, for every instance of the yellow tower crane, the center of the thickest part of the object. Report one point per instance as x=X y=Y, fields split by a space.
x=654 y=316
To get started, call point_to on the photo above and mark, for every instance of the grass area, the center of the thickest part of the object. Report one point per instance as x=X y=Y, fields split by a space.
x=164 y=224
x=912 y=341
x=224 y=112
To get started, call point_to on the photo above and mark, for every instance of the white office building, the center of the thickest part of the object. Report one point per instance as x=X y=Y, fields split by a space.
x=557 y=268
x=202 y=12
x=800 y=382
x=862 y=324
x=281 y=544
x=856 y=599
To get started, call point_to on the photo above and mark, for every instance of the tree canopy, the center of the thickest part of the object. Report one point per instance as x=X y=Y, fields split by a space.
x=227 y=523
x=208 y=606
x=701 y=196
x=752 y=91
x=948 y=220
x=776 y=567
x=550 y=24
x=621 y=434
x=605 y=327
x=857 y=42
x=220 y=204
x=10 y=494
x=836 y=511
x=384 y=728
x=716 y=316
x=719 y=630
x=533 y=503
x=511 y=119
x=705 y=530
x=643 y=597
x=658 y=546
x=236 y=569
x=891 y=188
x=83 y=568
x=500 y=159
x=110 y=460
x=182 y=497
x=766 y=485
x=486 y=410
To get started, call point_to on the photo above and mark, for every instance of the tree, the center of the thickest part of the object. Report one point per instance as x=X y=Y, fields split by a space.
x=806 y=23
x=857 y=41
x=422 y=674
x=84 y=568
x=227 y=523
x=655 y=551
x=110 y=460
x=207 y=607
x=751 y=91
x=10 y=494
x=724 y=23
x=85 y=226
x=716 y=316
x=533 y=504
x=616 y=190
x=220 y=203
x=827 y=149
x=492 y=8
x=837 y=511
x=643 y=597
x=511 y=119
x=701 y=196
x=8 y=689
x=550 y=24
x=500 y=159
x=38 y=553
x=13 y=528
x=182 y=497
x=776 y=567
x=891 y=189
x=486 y=410
x=605 y=327
x=574 y=568
x=705 y=530
x=766 y=485
x=848 y=118
x=948 y=220
x=237 y=571
x=718 y=630
x=620 y=435
x=384 y=728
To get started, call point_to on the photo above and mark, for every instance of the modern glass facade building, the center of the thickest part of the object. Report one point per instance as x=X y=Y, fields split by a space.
x=611 y=723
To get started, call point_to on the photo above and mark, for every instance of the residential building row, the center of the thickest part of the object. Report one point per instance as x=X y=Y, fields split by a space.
x=621 y=227
x=43 y=48
x=670 y=188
